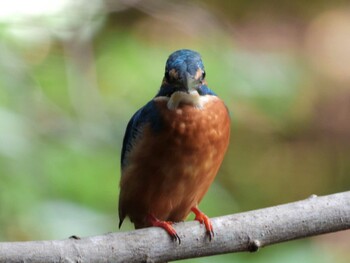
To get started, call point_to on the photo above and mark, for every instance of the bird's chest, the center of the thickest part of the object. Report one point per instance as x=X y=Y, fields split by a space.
x=190 y=127
x=194 y=133
x=189 y=142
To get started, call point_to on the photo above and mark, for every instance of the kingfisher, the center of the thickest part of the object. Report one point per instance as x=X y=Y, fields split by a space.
x=173 y=148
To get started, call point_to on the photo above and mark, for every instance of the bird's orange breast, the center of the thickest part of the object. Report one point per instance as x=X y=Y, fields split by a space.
x=170 y=170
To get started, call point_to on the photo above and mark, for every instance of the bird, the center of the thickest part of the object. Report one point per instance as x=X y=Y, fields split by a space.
x=173 y=148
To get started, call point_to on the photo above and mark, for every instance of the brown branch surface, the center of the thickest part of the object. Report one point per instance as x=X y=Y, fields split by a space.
x=247 y=231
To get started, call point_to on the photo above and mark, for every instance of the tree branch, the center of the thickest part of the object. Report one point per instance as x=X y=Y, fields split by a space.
x=247 y=231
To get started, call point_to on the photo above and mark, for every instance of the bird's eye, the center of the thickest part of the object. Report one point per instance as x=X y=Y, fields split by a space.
x=203 y=75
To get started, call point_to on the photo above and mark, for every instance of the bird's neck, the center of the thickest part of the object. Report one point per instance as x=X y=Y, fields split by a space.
x=181 y=97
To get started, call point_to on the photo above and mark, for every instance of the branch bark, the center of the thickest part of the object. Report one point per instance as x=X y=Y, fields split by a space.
x=247 y=231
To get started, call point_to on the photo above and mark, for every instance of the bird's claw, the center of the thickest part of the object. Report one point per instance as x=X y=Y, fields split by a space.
x=203 y=219
x=210 y=234
x=175 y=237
x=167 y=226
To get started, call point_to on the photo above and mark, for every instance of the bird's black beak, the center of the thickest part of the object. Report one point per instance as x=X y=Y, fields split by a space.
x=190 y=82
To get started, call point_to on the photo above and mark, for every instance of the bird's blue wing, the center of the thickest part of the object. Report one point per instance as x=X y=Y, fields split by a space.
x=148 y=114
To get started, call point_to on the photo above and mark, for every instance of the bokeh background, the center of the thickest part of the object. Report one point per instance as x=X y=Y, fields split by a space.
x=73 y=72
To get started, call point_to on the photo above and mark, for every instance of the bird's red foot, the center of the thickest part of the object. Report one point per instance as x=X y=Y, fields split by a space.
x=203 y=219
x=166 y=225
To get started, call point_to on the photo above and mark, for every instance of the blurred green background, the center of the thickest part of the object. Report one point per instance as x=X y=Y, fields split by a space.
x=72 y=74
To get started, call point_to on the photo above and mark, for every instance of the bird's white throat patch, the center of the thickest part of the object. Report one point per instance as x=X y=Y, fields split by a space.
x=191 y=98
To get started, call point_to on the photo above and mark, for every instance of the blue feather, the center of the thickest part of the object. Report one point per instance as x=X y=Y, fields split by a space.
x=148 y=114
x=184 y=60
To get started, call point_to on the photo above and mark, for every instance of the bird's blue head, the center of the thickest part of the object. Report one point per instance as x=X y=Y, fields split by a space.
x=184 y=70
